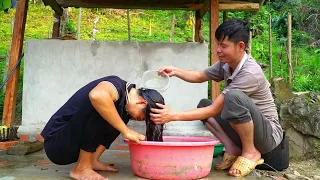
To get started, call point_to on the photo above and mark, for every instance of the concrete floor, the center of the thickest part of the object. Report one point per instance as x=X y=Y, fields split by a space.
x=36 y=166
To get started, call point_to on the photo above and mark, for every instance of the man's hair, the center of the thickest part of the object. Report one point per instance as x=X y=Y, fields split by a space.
x=235 y=29
x=153 y=131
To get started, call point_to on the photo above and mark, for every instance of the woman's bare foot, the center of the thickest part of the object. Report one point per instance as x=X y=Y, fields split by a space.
x=100 y=166
x=85 y=174
x=253 y=156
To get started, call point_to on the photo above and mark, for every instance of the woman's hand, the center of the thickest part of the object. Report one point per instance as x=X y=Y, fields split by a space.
x=133 y=135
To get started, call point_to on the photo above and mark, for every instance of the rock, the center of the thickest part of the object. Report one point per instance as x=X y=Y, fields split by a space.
x=291 y=176
x=296 y=143
x=278 y=178
x=305 y=115
x=296 y=173
x=254 y=173
x=3 y=152
x=296 y=176
x=299 y=115
x=315 y=177
x=25 y=148
x=281 y=90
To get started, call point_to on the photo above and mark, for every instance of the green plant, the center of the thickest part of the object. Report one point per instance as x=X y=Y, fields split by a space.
x=71 y=29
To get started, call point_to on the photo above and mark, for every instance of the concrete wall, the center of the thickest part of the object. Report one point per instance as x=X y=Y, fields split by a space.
x=55 y=69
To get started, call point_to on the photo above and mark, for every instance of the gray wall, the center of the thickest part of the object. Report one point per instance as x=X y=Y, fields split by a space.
x=55 y=69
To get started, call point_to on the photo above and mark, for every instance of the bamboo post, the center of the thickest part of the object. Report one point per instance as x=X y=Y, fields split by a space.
x=172 y=27
x=214 y=23
x=129 y=28
x=289 y=49
x=250 y=43
x=79 y=23
x=9 y=107
x=94 y=31
x=270 y=47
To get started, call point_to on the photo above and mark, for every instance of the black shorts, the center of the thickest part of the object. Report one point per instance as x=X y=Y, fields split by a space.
x=87 y=134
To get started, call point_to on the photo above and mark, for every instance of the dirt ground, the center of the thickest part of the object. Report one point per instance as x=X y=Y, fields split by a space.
x=298 y=169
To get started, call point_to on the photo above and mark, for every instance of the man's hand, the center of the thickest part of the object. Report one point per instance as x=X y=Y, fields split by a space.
x=133 y=135
x=161 y=116
x=170 y=70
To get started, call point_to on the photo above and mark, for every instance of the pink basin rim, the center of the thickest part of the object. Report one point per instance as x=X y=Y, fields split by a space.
x=187 y=141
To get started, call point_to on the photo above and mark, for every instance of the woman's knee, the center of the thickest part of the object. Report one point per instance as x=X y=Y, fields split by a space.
x=204 y=103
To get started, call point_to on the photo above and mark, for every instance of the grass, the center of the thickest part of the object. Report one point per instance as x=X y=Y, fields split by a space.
x=112 y=26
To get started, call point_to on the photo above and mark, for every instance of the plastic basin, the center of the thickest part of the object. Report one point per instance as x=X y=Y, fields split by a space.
x=152 y=80
x=178 y=157
x=218 y=150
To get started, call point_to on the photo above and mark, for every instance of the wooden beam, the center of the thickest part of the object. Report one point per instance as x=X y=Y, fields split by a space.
x=198 y=27
x=214 y=23
x=205 y=7
x=56 y=26
x=230 y=6
x=54 y=5
x=116 y=5
x=239 y=6
x=9 y=107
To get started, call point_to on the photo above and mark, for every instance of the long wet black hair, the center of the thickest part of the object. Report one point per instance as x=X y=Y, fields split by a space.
x=153 y=131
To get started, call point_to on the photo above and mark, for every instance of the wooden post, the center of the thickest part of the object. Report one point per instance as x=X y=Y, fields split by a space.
x=56 y=26
x=198 y=27
x=79 y=23
x=225 y=16
x=193 y=26
x=172 y=27
x=214 y=23
x=270 y=47
x=289 y=50
x=129 y=28
x=9 y=107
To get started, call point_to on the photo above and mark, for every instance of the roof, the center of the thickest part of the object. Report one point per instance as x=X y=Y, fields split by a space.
x=224 y=5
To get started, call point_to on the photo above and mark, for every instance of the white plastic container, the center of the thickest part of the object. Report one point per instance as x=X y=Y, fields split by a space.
x=151 y=79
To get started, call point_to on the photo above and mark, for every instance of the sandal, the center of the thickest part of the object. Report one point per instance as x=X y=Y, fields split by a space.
x=227 y=161
x=245 y=166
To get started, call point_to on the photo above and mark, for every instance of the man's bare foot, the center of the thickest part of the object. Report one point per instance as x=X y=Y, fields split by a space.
x=85 y=174
x=100 y=166
x=253 y=156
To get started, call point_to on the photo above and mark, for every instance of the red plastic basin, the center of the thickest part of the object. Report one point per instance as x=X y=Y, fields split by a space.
x=178 y=157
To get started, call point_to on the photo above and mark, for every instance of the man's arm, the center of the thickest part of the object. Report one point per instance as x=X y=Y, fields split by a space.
x=164 y=115
x=186 y=75
x=191 y=76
